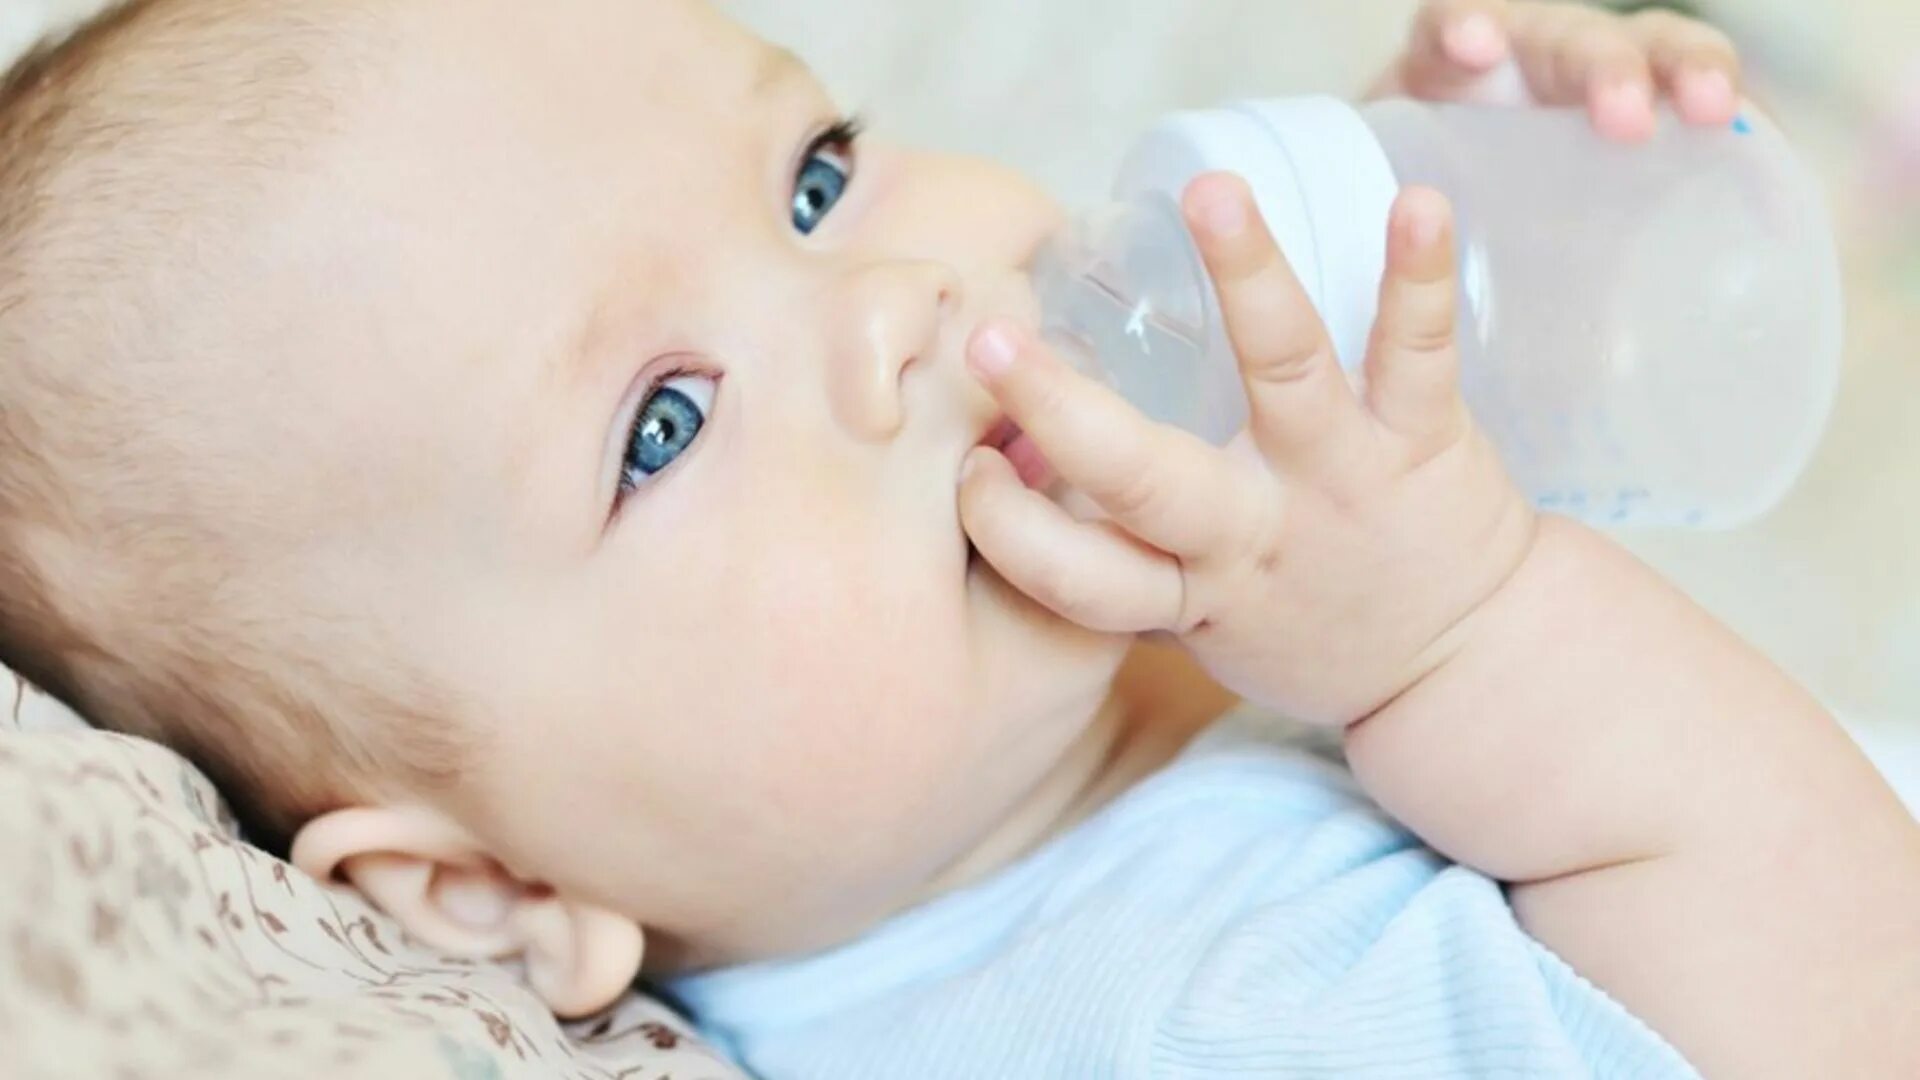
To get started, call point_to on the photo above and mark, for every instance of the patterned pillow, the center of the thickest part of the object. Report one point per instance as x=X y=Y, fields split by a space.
x=140 y=938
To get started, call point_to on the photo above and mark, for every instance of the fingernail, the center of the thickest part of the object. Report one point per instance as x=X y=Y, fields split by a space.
x=1423 y=228
x=993 y=352
x=1224 y=213
x=1626 y=111
x=1474 y=38
x=1631 y=96
x=1707 y=92
x=1420 y=219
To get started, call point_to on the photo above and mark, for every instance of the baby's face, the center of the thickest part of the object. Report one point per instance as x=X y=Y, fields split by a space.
x=635 y=413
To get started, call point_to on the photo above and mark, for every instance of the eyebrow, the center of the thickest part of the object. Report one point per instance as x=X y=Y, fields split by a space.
x=778 y=67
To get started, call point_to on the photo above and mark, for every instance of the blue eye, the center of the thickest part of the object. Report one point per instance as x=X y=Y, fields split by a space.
x=669 y=421
x=825 y=174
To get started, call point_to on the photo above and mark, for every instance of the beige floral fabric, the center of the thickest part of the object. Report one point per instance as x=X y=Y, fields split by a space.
x=139 y=937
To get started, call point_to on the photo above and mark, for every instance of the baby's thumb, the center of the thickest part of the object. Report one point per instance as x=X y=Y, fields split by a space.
x=1089 y=573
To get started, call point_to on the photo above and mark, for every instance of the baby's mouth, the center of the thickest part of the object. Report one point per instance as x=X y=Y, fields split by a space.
x=1032 y=467
x=1022 y=453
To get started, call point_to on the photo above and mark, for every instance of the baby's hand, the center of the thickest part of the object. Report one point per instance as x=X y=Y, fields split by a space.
x=1333 y=555
x=1536 y=52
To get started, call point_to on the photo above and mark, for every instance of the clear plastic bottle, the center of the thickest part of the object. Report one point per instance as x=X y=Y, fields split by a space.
x=1651 y=334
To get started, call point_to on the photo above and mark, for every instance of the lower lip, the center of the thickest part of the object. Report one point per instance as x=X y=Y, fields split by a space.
x=1027 y=460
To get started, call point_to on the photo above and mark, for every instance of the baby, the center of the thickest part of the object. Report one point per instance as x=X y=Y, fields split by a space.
x=564 y=482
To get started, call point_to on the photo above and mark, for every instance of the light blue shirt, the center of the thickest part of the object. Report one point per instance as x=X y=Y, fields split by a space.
x=1246 y=912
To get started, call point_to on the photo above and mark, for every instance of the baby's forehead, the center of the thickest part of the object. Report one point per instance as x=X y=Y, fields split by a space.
x=515 y=196
x=565 y=157
x=648 y=60
x=341 y=224
x=643 y=116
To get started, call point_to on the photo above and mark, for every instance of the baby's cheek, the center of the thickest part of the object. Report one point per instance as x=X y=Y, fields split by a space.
x=866 y=672
x=864 y=680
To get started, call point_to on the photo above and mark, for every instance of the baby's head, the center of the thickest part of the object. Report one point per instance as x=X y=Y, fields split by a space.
x=517 y=446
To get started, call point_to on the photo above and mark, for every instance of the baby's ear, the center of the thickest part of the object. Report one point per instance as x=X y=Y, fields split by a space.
x=432 y=877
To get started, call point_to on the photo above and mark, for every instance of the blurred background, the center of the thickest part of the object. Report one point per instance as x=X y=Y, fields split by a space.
x=1830 y=584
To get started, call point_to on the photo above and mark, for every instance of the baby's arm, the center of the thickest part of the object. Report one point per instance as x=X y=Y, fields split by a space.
x=1680 y=821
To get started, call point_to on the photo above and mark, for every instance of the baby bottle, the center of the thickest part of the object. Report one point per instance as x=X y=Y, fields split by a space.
x=1650 y=334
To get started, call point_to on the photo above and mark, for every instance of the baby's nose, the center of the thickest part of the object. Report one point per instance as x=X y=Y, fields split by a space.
x=899 y=314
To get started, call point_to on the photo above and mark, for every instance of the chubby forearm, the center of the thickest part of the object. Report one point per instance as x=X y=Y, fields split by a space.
x=1678 y=819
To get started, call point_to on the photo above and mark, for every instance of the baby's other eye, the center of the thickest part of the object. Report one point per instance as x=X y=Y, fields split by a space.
x=825 y=174
x=670 y=419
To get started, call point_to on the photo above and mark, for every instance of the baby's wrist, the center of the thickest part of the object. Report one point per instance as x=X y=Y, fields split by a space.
x=1518 y=550
x=1549 y=697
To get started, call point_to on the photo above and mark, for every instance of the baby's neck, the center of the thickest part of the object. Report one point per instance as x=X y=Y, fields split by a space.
x=1160 y=701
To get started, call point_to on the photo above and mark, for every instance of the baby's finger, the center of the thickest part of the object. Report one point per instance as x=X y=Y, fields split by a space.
x=1305 y=416
x=1166 y=486
x=1697 y=65
x=1413 y=366
x=1455 y=44
x=1574 y=55
x=1085 y=572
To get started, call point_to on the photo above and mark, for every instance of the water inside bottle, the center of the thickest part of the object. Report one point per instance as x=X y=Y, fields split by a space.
x=1128 y=343
x=1124 y=294
x=1657 y=350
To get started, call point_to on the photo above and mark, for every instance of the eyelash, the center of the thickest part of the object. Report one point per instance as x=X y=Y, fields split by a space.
x=844 y=134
